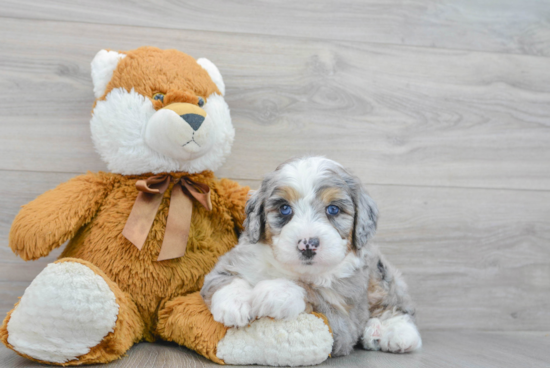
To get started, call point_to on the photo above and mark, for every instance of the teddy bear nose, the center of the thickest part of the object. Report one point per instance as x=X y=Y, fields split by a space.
x=194 y=120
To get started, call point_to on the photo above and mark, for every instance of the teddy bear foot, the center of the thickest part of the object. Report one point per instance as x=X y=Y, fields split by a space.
x=305 y=340
x=68 y=315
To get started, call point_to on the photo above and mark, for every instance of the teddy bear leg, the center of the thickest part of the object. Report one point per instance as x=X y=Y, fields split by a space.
x=187 y=321
x=306 y=340
x=72 y=314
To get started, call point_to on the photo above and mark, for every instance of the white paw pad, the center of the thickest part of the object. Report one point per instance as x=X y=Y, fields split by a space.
x=396 y=335
x=66 y=310
x=371 y=337
x=305 y=340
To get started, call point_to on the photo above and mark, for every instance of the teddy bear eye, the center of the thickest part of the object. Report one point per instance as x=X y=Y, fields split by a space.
x=158 y=97
x=201 y=102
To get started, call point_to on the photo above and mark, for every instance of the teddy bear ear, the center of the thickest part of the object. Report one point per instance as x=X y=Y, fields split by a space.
x=213 y=72
x=103 y=66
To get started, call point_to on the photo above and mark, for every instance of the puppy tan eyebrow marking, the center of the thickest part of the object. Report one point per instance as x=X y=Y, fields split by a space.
x=288 y=193
x=331 y=194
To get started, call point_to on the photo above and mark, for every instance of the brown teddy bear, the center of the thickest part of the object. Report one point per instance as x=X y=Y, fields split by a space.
x=142 y=237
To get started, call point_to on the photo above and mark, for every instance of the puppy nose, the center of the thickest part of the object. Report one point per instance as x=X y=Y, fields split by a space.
x=313 y=242
x=194 y=120
x=308 y=246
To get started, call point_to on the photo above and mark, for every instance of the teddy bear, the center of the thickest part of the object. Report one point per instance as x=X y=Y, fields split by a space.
x=142 y=236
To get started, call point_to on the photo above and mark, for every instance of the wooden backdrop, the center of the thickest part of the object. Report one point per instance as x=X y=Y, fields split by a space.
x=441 y=107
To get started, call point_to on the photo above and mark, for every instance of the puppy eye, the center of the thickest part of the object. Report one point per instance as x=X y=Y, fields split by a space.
x=285 y=210
x=333 y=210
x=158 y=97
x=201 y=102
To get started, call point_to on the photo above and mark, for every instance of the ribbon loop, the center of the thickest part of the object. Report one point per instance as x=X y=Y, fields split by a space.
x=202 y=195
x=178 y=223
x=154 y=184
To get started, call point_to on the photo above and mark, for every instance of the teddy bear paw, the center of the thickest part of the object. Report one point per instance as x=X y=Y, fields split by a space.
x=305 y=340
x=66 y=310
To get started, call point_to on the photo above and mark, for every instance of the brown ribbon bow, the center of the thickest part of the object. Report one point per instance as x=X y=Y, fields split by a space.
x=178 y=223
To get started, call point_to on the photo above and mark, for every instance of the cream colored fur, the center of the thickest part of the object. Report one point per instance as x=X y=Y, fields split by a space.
x=304 y=340
x=67 y=310
x=103 y=66
x=213 y=72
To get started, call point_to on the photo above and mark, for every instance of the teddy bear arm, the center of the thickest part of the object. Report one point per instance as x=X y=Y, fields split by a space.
x=55 y=216
x=235 y=197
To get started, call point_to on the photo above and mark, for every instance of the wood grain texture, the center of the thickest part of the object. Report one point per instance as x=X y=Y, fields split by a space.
x=446 y=349
x=473 y=258
x=441 y=107
x=394 y=115
x=513 y=26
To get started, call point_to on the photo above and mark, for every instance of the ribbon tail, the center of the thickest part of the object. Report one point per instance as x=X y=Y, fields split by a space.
x=178 y=225
x=141 y=218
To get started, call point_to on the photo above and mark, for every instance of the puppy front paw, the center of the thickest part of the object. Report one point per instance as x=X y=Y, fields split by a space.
x=371 y=336
x=231 y=304
x=395 y=335
x=279 y=299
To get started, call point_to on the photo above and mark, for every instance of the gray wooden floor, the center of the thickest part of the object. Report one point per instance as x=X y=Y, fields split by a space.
x=441 y=107
x=442 y=349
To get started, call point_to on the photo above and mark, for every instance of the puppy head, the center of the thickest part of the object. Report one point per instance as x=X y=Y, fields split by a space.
x=312 y=213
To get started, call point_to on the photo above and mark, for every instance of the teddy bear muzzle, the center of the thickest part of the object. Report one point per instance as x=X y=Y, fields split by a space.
x=191 y=114
x=179 y=131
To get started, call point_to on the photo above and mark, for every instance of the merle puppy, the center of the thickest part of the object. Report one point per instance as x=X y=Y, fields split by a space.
x=307 y=246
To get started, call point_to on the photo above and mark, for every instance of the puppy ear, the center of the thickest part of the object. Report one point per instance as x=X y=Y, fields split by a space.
x=366 y=217
x=254 y=224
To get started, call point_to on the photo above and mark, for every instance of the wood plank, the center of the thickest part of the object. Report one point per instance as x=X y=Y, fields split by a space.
x=442 y=349
x=395 y=115
x=473 y=258
x=512 y=26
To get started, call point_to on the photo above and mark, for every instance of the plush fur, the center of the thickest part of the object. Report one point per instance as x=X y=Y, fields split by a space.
x=89 y=307
x=303 y=341
x=103 y=66
x=294 y=253
x=121 y=337
x=136 y=134
x=104 y=294
x=91 y=210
